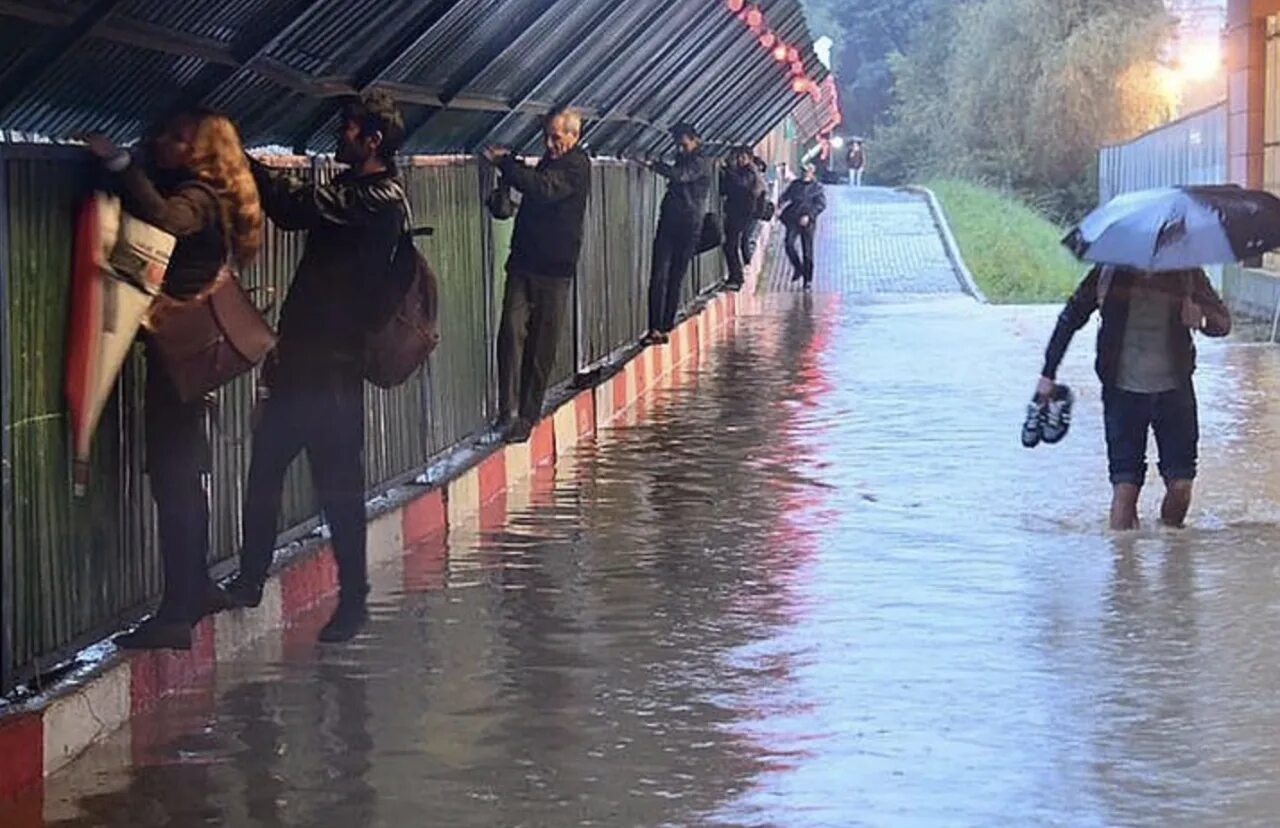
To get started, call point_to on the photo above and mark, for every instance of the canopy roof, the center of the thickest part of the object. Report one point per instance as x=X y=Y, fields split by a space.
x=468 y=72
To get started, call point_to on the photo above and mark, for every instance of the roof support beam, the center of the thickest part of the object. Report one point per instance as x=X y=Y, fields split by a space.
x=37 y=63
x=376 y=67
x=248 y=52
x=611 y=13
x=679 y=46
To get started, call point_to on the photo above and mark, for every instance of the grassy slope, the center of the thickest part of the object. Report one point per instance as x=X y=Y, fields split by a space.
x=1013 y=253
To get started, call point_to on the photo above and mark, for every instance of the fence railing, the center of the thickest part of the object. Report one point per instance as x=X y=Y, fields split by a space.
x=72 y=569
x=1191 y=150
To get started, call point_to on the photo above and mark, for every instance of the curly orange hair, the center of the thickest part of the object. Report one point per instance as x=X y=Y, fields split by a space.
x=217 y=158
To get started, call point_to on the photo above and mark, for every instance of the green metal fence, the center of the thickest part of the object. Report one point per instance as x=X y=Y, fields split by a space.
x=71 y=570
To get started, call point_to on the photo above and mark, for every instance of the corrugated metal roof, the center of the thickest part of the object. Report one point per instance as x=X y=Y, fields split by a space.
x=468 y=72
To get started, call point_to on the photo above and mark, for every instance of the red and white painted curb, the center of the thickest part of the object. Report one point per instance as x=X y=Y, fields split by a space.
x=44 y=735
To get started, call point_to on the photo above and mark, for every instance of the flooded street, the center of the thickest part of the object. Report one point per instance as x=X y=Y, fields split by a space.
x=818 y=583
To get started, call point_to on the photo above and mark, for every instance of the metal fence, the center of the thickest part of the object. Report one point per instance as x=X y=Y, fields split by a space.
x=1191 y=150
x=73 y=569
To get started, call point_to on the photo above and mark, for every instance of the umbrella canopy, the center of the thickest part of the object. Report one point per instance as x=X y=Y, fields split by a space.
x=117 y=267
x=1175 y=228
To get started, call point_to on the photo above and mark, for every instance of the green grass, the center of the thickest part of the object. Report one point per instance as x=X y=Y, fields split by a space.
x=1013 y=252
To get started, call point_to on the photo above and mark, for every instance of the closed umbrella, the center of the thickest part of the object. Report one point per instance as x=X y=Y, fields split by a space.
x=1175 y=228
x=118 y=266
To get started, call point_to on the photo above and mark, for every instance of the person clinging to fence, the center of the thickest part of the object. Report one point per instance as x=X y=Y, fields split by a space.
x=312 y=394
x=689 y=180
x=1146 y=359
x=545 y=247
x=741 y=187
x=196 y=186
x=805 y=200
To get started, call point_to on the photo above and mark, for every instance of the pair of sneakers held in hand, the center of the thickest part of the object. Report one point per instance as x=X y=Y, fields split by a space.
x=1048 y=417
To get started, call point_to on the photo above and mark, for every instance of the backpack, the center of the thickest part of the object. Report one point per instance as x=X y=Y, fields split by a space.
x=406 y=330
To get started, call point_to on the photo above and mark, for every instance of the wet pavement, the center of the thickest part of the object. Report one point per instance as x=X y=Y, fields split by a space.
x=818 y=583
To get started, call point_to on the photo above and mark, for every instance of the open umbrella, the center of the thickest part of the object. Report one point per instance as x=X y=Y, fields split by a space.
x=118 y=266
x=1175 y=228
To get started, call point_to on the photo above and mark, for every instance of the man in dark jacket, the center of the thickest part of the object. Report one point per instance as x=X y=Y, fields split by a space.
x=313 y=395
x=741 y=187
x=805 y=201
x=540 y=269
x=679 y=227
x=1146 y=358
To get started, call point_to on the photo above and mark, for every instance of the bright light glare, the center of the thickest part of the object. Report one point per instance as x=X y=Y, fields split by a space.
x=837 y=142
x=1200 y=61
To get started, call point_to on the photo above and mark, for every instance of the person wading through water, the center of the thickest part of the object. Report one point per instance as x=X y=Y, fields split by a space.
x=313 y=391
x=1146 y=358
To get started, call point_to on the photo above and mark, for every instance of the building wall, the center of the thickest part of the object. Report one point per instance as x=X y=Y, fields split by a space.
x=1253 y=136
x=1246 y=89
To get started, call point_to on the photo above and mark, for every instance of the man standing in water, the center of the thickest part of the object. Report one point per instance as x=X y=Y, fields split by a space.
x=1146 y=358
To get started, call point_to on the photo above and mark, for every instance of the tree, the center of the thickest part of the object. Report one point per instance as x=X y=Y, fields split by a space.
x=1022 y=93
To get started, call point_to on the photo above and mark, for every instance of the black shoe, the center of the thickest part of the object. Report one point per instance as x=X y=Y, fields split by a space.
x=808 y=285
x=1056 y=421
x=1033 y=424
x=242 y=593
x=154 y=634
x=651 y=338
x=664 y=338
x=733 y=287
x=347 y=621
x=520 y=432
x=797 y=276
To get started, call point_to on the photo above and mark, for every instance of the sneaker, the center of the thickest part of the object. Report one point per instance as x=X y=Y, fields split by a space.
x=1032 y=425
x=1057 y=415
x=154 y=634
x=347 y=621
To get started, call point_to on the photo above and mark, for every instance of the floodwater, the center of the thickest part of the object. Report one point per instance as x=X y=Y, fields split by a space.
x=817 y=583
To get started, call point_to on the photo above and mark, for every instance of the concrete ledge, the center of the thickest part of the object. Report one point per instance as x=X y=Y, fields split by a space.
x=41 y=735
x=967 y=283
x=1252 y=294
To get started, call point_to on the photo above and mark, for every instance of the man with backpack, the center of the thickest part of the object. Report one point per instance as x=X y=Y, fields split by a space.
x=1146 y=358
x=545 y=247
x=312 y=394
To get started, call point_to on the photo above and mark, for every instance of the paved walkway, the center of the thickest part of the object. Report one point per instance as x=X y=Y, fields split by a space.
x=873 y=241
x=817 y=582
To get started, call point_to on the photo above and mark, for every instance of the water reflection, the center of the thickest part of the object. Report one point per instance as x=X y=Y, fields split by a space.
x=818 y=584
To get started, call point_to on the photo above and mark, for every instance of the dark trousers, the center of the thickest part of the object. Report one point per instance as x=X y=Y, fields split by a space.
x=802 y=258
x=177 y=454
x=533 y=314
x=674 y=247
x=737 y=246
x=1174 y=418
x=320 y=410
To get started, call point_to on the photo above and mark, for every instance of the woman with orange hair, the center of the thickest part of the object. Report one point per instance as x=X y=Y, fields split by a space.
x=198 y=187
